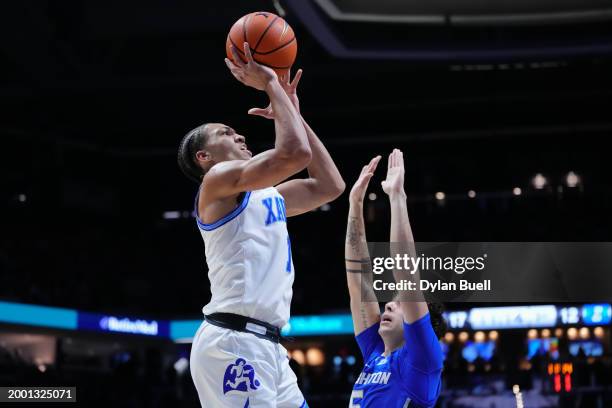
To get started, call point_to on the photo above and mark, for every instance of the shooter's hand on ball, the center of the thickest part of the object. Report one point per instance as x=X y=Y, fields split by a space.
x=291 y=91
x=250 y=73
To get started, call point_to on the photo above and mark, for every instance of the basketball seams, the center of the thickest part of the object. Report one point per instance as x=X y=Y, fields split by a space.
x=261 y=37
x=241 y=53
x=277 y=48
x=285 y=29
x=244 y=24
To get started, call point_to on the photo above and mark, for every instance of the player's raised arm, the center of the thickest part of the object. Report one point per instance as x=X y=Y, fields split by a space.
x=401 y=232
x=365 y=314
x=291 y=152
x=324 y=182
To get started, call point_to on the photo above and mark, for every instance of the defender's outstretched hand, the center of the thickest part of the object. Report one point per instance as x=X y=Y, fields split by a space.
x=250 y=73
x=361 y=185
x=394 y=183
x=291 y=91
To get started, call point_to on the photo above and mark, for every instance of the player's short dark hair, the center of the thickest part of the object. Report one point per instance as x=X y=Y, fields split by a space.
x=192 y=142
x=437 y=319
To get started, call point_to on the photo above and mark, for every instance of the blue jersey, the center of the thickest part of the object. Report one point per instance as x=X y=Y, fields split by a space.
x=409 y=377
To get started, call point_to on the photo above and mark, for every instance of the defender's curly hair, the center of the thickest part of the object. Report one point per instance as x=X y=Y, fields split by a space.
x=192 y=142
x=436 y=315
x=437 y=319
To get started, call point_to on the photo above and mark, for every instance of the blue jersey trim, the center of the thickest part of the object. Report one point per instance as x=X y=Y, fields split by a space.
x=235 y=212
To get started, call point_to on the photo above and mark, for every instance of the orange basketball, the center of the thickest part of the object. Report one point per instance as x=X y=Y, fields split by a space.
x=271 y=39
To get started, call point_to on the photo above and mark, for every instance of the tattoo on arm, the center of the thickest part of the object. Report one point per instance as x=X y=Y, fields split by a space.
x=358 y=268
x=364 y=316
x=354 y=236
x=359 y=261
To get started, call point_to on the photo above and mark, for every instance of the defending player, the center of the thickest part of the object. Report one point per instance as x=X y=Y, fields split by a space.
x=236 y=358
x=402 y=356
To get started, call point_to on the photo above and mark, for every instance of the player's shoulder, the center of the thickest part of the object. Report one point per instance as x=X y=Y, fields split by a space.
x=219 y=179
x=222 y=169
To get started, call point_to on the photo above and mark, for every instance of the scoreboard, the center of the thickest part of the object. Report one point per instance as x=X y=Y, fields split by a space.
x=518 y=317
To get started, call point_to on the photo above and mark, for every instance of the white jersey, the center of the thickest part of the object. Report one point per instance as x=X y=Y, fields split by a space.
x=248 y=253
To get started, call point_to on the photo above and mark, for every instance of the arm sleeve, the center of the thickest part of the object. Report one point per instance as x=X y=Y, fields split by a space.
x=421 y=361
x=370 y=341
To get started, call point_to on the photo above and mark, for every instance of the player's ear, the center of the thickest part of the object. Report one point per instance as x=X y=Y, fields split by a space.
x=203 y=156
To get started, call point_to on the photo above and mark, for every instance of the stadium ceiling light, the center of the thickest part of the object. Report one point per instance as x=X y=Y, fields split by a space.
x=585 y=333
x=372 y=196
x=539 y=181
x=572 y=179
x=440 y=196
x=171 y=215
x=180 y=366
x=299 y=357
x=315 y=356
x=471 y=194
x=517 y=191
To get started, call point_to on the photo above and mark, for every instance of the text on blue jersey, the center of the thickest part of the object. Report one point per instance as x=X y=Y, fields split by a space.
x=408 y=377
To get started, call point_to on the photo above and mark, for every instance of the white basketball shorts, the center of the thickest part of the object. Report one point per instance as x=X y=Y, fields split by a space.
x=239 y=370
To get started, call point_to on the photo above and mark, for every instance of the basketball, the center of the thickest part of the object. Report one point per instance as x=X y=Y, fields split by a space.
x=270 y=38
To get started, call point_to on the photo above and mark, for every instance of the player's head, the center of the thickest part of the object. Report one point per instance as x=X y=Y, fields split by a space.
x=392 y=322
x=207 y=145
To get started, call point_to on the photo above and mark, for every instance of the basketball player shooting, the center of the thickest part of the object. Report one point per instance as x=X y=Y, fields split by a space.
x=401 y=353
x=236 y=357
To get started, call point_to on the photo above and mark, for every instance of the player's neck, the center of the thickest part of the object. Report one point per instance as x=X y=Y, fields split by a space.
x=391 y=346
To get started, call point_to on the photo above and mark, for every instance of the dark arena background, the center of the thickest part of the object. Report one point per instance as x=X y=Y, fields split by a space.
x=504 y=113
